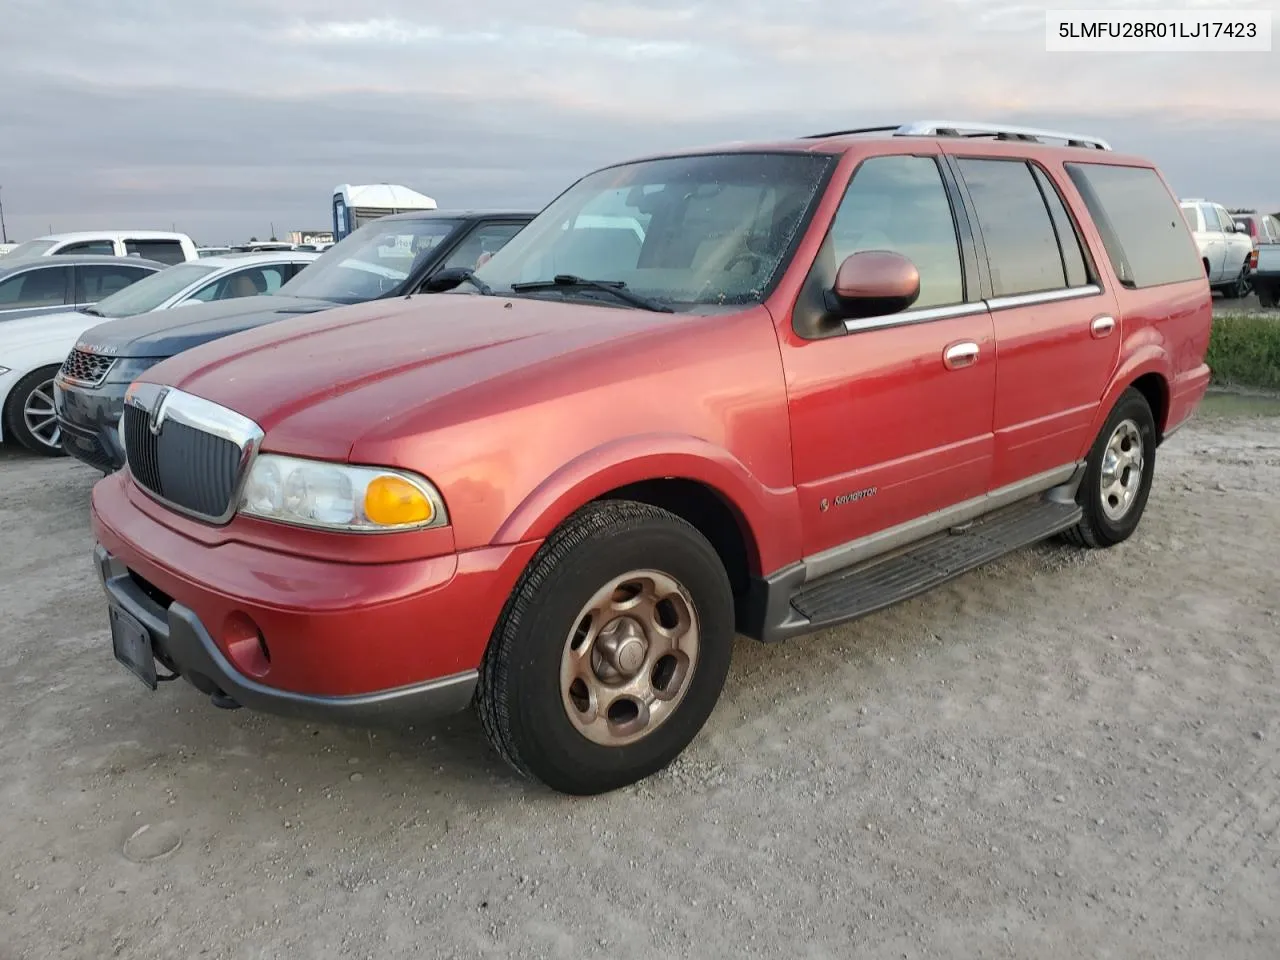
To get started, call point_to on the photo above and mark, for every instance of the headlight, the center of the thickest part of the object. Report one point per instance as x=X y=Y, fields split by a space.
x=336 y=496
x=128 y=369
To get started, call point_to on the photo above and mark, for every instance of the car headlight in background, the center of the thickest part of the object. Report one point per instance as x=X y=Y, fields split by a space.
x=128 y=369
x=337 y=496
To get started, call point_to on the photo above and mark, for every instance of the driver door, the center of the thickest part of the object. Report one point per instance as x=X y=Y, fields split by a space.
x=892 y=417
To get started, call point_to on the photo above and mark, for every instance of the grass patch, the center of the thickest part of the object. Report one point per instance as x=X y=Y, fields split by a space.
x=1244 y=350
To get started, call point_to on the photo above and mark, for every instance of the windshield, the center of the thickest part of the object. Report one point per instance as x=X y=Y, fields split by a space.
x=32 y=248
x=371 y=262
x=150 y=292
x=682 y=231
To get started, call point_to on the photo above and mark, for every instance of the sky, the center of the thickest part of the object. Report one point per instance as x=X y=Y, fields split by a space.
x=225 y=118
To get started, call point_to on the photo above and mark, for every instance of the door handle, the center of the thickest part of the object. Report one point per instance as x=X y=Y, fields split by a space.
x=1102 y=326
x=960 y=355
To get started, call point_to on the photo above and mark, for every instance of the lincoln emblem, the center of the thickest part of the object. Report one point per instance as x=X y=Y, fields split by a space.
x=156 y=421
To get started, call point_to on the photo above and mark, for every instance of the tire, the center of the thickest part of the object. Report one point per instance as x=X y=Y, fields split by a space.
x=1239 y=287
x=538 y=712
x=1267 y=294
x=32 y=392
x=1109 y=518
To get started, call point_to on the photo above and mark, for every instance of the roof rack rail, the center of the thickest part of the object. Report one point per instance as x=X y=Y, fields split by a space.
x=965 y=128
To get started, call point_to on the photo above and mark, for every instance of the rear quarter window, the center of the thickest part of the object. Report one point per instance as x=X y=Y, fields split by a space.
x=1146 y=237
x=162 y=251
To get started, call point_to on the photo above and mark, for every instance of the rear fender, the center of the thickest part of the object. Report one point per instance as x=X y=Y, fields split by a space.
x=1148 y=358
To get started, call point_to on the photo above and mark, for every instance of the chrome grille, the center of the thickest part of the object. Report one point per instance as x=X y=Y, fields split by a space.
x=187 y=452
x=89 y=369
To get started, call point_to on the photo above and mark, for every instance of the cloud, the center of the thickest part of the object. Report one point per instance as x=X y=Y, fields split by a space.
x=224 y=117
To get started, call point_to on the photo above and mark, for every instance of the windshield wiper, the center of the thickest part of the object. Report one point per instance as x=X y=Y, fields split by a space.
x=93 y=312
x=615 y=287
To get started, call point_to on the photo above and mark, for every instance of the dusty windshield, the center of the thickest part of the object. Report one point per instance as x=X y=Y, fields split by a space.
x=150 y=292
x=681 y=231
x=371 y=262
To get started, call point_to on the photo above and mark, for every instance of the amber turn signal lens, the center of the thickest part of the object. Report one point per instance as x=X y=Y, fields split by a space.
x=393 y=502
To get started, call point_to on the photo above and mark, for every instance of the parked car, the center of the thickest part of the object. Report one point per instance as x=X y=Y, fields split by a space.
x=831 y=374
x=1264 y=230
x=154 y=245
x=1226 y=251
x=212 y=251
x=29 y=292
x=392 y=257
x=7 y=248
x=34 y=350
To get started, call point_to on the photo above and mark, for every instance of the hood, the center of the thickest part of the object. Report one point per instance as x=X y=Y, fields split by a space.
x=318 y=384
x=163 y=333
x=43 y=328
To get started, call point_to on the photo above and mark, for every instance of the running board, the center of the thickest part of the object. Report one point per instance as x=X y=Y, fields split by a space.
x=880 y=583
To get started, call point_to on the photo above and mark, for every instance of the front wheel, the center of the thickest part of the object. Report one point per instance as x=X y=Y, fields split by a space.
x=611 y=651
x=1117 y=479
x=29 y=415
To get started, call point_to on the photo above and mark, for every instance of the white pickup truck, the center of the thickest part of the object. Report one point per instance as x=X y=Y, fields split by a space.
x=1225 y=248
x=1264 y=230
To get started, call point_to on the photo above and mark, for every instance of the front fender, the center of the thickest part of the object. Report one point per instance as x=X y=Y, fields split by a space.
x=769 y=516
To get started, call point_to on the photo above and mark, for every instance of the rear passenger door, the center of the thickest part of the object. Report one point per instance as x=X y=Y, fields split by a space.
x=1057 y=336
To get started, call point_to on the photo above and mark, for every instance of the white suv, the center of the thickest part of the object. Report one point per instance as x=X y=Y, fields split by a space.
x=149 y=244
x=1225 y=247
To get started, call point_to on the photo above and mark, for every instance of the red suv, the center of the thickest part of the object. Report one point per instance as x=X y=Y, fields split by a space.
x=746 y=389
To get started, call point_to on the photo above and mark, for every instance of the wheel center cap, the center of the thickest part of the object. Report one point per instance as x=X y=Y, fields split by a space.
x=623 y=645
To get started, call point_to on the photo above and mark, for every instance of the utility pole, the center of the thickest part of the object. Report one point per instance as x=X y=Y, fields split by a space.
x=4 y=234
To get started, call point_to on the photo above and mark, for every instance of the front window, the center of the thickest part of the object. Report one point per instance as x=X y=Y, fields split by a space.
x=150 y=292
x=32 y=248
x=371 y=262
x=681 y=231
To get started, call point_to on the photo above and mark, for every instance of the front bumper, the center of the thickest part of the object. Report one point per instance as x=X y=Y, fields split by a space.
x=296 y=635
x=90 y=420
x=182 y=644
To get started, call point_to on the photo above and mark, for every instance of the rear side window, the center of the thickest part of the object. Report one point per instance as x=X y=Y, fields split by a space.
x=1146 y=238
x=1068 y=237
x=96 y=281
x=1211 y=221
x=1021 y=242
x=164 y=251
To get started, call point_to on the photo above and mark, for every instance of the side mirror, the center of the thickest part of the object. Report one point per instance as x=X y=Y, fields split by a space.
x=445 y=280
x=874 y=283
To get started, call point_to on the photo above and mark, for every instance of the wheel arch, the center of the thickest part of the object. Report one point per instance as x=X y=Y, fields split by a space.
x=1149 y=371
x=751 y=525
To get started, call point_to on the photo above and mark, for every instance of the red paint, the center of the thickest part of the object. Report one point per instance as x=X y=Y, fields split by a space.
x=521 y=411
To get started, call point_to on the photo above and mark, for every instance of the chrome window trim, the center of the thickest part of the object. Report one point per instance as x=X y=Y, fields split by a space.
x=1046 y=296
x=908 y=317
x=169 y=403
x=930 y=314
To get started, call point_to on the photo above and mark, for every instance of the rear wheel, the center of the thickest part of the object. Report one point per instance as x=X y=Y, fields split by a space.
x=29 y=415
x=611 y=652
x=1239 y=287
x=1118 y=475
x=1267 y=294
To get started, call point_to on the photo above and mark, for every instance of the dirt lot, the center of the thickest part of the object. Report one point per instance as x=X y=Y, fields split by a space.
x=1063 y=755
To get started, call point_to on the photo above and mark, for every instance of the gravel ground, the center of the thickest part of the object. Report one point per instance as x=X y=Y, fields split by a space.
x=1065 y=754
x=1247 y=304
